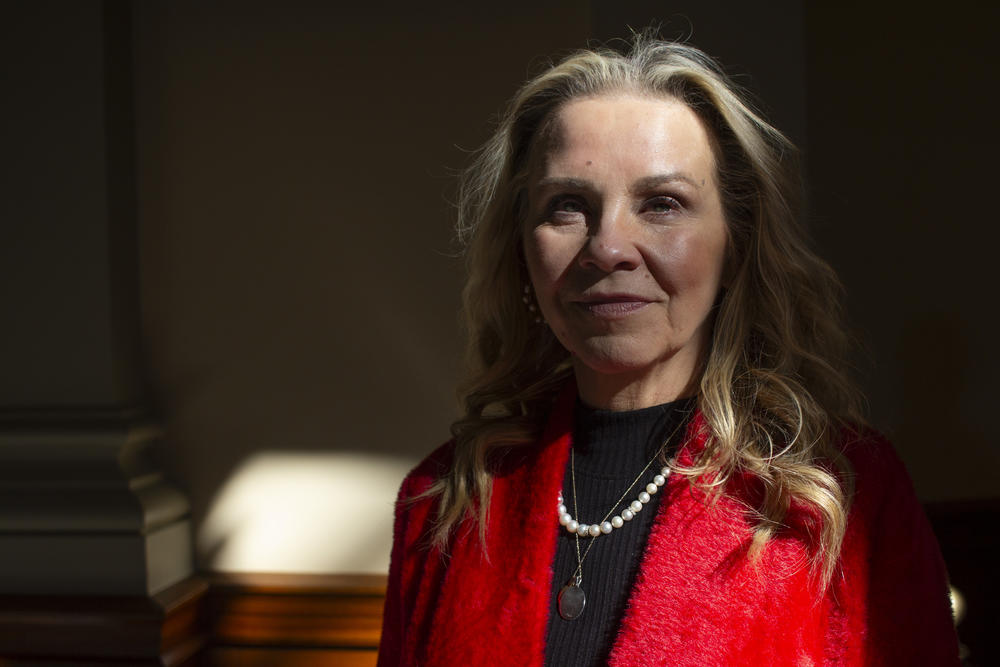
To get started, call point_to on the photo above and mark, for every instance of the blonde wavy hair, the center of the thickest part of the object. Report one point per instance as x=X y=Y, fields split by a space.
x=773 y=392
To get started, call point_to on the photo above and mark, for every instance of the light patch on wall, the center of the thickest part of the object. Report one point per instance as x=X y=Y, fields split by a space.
x=304 y=512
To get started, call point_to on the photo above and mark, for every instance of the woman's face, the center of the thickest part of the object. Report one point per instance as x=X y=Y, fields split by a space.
x=625 y=243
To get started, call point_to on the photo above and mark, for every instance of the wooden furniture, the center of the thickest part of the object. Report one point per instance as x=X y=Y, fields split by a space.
x=289 y=619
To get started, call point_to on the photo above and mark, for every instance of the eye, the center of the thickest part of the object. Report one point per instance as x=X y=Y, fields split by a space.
x=567 y=208
x=661 y=205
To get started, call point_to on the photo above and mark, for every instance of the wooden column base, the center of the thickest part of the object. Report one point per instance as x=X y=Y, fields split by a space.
x=164 y=629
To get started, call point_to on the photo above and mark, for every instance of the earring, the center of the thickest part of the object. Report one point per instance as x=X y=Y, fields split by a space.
x=530 y=303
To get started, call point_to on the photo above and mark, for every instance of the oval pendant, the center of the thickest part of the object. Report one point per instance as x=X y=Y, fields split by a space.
x=571 y=601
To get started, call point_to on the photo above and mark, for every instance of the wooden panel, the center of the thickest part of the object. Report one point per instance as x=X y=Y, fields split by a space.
x=341 y=612
x=320 y=584
x=257 y=657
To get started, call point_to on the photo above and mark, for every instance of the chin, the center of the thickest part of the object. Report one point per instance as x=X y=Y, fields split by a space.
x=624 y=358
x=615 y=361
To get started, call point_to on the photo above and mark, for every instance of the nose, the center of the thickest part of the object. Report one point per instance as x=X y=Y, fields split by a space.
x=611 y=244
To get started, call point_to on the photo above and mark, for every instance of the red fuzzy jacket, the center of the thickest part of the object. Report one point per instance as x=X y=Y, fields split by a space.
x=697 y=600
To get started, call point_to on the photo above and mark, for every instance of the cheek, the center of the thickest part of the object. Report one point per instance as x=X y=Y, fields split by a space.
x=547 y=260
x=547 y=265
x=693 y=265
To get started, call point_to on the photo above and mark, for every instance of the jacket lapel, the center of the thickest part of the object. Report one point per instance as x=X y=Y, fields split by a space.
x=697 y=599
x=493 y=607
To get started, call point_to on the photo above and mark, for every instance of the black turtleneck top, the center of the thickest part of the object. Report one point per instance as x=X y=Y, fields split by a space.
x=610 y=449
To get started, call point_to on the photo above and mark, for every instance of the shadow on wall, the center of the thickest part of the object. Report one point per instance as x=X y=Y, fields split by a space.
x=298 y=286
x=304 y=512
x=936 y=365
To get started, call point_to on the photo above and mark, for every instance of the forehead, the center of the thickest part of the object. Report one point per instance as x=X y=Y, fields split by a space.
x=626 y=134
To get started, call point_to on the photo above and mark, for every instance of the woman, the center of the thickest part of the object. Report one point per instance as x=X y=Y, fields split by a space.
x=661 y=459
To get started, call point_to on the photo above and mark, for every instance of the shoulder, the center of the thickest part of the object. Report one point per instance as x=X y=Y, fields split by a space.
x=432 y=468
x=877 y=470
x=885 y=517
x=867 y=448
x=892 y=585
x=415 y=508
x=886 y=520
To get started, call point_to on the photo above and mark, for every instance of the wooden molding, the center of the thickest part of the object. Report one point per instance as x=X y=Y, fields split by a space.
x=330 y=611
x=163 y=629
x=294 y=619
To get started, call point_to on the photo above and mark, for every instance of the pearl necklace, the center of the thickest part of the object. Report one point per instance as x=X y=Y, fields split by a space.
x=571 y=599
x=604 y=527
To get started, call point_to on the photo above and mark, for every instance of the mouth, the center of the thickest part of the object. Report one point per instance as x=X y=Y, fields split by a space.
x=612 y=306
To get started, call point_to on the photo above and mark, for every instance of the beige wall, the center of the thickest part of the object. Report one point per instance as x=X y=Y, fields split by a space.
x=300 y=287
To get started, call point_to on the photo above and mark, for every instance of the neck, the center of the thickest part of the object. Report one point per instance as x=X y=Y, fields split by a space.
x=627 y=391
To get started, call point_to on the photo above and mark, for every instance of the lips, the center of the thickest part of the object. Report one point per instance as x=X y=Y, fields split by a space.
x=612 y=306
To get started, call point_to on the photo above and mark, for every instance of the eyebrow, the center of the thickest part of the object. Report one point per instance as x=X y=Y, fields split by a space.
x=650 y=182
x=571 y=183
x=643 y=184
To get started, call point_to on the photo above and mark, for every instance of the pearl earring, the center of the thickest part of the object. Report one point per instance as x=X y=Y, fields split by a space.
x=530 y=303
